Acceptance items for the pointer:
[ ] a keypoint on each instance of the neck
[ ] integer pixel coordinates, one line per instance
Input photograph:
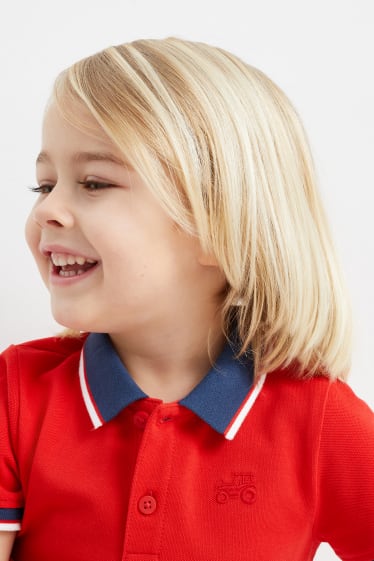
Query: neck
(168, 362)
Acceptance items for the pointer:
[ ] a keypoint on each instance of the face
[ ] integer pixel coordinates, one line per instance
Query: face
(110, 256)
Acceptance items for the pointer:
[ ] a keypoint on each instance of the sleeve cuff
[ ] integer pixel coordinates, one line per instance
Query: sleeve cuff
(10, 519)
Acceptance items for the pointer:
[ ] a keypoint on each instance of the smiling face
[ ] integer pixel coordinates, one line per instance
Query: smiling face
(110, 256)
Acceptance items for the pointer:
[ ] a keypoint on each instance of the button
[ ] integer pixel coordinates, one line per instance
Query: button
(165, 417)
(147, 504)
(140, 419)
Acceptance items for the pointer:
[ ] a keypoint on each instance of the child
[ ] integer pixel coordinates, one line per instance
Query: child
(181, 236)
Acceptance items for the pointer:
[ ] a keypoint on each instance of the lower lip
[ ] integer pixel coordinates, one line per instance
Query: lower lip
(56, 279)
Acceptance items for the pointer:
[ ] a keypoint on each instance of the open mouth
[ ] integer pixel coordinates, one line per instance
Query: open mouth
(70, 265)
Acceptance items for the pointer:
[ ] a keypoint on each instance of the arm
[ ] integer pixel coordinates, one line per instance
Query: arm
(11, 498)
(346, 483)
(6, 544)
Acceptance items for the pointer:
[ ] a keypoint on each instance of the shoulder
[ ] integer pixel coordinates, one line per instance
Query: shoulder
(40, 355)
(57, 344)
(327, 406)
(37, 374)
(329, 393)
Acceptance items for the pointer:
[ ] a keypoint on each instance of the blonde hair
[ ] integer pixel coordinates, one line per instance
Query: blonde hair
(226, 154)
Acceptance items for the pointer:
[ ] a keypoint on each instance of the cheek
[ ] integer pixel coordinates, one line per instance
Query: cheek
(32, 234)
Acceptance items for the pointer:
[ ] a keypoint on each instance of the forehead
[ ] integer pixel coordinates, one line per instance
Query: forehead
(72, 120)
(73, 132)
(85, 141)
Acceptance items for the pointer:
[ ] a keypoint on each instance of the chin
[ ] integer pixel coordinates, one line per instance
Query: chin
(71, 321)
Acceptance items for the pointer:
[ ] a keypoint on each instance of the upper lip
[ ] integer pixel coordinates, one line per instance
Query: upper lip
(47, 249)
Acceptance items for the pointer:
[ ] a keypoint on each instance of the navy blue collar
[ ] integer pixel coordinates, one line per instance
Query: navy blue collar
(108, 388)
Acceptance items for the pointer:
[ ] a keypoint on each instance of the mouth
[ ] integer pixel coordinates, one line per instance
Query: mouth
(67, 266)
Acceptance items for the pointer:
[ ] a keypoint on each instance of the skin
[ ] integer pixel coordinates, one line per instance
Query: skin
(6, 544)
(153, 290)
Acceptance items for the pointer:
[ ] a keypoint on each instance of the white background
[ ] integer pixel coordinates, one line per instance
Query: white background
(320, 53)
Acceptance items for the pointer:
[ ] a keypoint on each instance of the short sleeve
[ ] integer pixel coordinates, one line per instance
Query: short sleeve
(345, 517)
(11, 499)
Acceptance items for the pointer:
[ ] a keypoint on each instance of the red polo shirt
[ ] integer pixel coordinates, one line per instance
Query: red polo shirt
(91, 469)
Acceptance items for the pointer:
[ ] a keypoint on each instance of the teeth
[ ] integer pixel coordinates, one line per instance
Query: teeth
(70, 273)
(62, 259)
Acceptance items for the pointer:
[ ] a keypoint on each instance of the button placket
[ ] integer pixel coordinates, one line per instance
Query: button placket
(150, 483)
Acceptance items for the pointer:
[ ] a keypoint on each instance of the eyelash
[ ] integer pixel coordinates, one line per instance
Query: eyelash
(45, 189)
(99, 185)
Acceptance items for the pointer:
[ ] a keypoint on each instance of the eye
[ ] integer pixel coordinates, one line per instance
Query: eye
(43, 189)
(92, 185)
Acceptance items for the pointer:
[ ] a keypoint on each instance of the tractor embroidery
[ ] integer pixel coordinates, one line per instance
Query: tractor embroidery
(241, 487)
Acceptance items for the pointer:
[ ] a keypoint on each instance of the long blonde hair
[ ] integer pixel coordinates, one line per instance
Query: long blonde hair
(225, 152)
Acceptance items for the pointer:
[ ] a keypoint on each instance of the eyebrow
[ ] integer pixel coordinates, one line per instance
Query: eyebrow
(43, 157)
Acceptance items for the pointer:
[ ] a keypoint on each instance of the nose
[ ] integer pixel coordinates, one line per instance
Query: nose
(54, 210)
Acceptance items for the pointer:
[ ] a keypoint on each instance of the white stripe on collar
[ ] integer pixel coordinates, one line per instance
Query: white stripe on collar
(96, 421)
(245, 409)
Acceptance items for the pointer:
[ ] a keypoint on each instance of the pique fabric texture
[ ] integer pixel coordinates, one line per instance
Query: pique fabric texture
(91, 469)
